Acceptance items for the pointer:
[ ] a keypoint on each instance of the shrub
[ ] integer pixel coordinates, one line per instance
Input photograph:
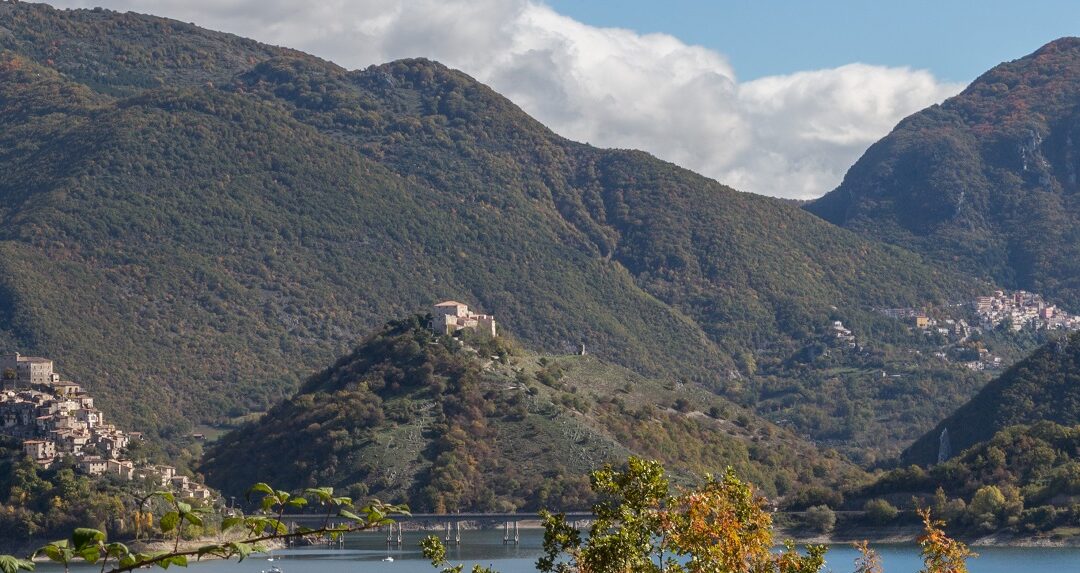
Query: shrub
(821, 518)
(880, 511)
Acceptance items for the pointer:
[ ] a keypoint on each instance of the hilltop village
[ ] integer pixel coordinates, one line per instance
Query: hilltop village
(1020, 310)
(55, 418)
(1015, 312)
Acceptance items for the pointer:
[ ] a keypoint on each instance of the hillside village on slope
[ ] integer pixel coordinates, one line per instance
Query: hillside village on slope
(55, 418)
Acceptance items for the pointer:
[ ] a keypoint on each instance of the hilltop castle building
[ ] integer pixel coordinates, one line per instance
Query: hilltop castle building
(451, 316)
(27, 370)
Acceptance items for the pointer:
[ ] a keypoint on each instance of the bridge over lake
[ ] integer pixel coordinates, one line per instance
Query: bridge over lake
(448, 525)
(437, 521)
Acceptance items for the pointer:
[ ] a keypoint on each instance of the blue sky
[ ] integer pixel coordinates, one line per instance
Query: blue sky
(956, 40)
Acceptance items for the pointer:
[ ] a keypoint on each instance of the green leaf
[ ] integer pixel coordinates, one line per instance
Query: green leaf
(231, 522)
(90, 554)
(242, 550)
(57, 551)
(193, 519)
(169, 521)
(83, 537)
(178, 560)
(297, 502)
(325, 494)
(260, 488)
(183, 507)
(135, 558)
(116, 549)
(11, 564)
(350, 515)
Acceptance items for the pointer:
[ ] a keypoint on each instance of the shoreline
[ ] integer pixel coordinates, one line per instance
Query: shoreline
(908, 535)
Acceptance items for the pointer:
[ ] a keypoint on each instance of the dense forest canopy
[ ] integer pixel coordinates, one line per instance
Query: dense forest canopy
(986, 181)
(1043, 387)
(483, 425)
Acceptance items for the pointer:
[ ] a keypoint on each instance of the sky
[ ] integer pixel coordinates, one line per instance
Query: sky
(768, 96)
(955, 39)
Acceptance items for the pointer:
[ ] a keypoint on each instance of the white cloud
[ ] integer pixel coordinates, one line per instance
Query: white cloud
(787, 136)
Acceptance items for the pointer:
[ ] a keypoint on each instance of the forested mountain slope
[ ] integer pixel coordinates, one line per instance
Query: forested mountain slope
(987, 180)
(1043, 387)
(1024, 479)
(445, 426)
(192, 223)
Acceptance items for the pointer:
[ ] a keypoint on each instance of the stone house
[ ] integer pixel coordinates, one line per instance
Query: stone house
(93, 465)
(28, 369)
(122, 468)
(450, 316)
(40, 449)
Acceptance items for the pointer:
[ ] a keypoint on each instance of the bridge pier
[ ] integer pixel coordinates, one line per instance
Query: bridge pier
(507, 539)
(391, 539)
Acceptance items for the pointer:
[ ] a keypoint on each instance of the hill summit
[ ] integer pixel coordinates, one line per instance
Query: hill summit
(989, 180)
(476, 423)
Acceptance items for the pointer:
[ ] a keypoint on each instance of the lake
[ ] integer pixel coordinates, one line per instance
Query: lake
(364, 553)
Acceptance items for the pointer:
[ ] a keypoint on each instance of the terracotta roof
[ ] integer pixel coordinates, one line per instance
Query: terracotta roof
(451, 303)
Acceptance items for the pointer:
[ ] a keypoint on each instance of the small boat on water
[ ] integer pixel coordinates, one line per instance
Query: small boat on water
(388, 558)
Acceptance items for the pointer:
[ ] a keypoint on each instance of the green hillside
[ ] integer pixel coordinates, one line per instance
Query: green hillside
(191, 223)
(1023, 479)
(986, 181)
(447, 426)
(1043, 387)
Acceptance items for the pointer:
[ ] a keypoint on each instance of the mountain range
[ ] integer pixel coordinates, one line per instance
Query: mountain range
(193, 223)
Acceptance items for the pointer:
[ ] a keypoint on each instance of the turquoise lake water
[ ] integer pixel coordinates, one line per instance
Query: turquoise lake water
(366, 554)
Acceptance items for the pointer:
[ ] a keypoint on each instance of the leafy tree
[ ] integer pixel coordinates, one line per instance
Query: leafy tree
(821, 518)
(940, 553)
(721, 526)
(92, 546)
(987, 503)
(880, 511)
(724, 526)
